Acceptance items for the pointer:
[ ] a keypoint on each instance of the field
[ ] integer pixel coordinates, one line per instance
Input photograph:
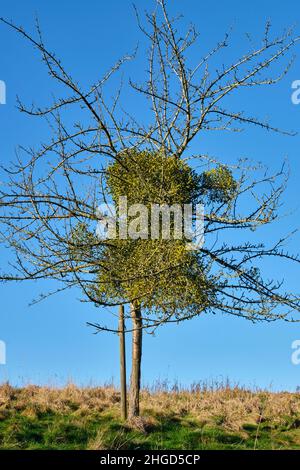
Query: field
(216, 417)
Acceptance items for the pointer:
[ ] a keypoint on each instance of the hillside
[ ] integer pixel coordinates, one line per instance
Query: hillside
(221, 417)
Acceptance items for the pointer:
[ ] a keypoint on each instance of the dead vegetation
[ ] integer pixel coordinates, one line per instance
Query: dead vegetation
(225, 406)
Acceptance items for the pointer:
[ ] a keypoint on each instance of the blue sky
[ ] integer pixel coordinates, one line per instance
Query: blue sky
(49, 342)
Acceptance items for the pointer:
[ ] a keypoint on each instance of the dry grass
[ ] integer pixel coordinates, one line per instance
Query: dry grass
(231, 409)
(35, 399)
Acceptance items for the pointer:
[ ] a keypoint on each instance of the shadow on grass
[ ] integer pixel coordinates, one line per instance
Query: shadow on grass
(105, 431)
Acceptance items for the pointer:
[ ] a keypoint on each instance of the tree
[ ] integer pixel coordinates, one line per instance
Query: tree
(158, 277)
(49, 199)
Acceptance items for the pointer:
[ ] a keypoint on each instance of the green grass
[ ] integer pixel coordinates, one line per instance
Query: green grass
(105, 431)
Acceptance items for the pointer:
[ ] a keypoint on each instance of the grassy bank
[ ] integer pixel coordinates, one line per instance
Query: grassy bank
(202, 418)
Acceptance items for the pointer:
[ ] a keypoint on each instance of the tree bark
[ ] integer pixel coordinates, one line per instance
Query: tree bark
(135, 381)
(122, 363)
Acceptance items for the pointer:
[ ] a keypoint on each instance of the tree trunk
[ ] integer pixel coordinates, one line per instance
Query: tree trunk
(122, 363)
(135, 381)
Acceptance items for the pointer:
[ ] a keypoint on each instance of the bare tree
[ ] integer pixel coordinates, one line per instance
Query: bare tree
(49, 197)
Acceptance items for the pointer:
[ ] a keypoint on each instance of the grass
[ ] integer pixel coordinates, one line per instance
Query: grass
(217, 417)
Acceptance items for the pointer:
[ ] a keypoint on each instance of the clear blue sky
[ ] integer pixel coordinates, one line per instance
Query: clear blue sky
(49, 342)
